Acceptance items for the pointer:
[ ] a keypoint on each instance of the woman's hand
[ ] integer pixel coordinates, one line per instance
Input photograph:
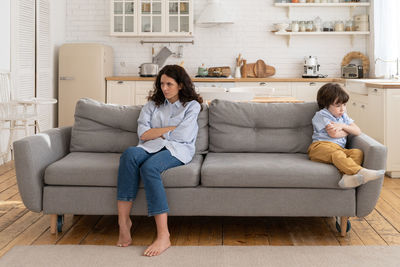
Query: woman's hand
(155, 133)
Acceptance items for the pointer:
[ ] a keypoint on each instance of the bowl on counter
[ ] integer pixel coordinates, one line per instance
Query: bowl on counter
(281, 27)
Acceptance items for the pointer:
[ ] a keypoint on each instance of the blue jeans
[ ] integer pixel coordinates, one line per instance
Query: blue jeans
(135, 162)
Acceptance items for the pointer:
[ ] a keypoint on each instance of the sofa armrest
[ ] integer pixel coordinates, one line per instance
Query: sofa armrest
(32, 156)
(374, 158)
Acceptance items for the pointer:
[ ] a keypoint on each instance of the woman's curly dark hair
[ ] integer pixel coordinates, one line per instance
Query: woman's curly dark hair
(186, 94)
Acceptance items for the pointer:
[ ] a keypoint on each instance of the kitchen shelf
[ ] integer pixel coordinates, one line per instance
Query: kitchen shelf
(350, 5)
(352, 33)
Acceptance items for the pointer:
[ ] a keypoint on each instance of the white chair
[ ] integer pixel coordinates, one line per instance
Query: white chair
(17, 114)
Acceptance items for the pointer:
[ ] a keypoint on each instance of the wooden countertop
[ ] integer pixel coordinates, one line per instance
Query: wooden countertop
(137, 78)
(383, 85)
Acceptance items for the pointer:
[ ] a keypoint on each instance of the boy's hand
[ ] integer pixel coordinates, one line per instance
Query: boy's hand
(333, 126)
(335, 130)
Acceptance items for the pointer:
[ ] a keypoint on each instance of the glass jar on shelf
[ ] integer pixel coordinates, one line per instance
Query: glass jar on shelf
(309, 26)
(302, 26)
(348, 27)
(339, 26)
(327, 26)
(295, 26)
(317, 24)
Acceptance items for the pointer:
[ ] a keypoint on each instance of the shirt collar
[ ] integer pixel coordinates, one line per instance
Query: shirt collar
(176, 103)
(326, 111)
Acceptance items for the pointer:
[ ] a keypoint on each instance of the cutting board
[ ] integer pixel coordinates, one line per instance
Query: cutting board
(263, 70)
(257, 70)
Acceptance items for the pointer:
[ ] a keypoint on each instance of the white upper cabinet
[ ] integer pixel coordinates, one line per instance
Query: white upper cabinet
(152, 18)
(179, 18)
(124, 16)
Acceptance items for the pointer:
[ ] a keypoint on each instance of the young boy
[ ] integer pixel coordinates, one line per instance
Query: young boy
(331, 128)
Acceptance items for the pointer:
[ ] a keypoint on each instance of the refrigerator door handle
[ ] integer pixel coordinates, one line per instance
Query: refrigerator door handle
(65, 78)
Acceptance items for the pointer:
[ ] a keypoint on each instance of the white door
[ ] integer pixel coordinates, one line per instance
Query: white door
(43, 64)
(23, 51)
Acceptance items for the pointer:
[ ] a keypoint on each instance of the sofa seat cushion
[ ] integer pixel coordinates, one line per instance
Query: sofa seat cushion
(101, 169)
(287, 170)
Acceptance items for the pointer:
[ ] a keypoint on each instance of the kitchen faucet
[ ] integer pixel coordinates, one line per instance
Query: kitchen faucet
(397, 76)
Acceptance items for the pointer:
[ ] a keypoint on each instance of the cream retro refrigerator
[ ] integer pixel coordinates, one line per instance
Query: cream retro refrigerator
(82, 72)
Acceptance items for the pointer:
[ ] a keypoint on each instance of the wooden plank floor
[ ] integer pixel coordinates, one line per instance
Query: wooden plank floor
(18, 226)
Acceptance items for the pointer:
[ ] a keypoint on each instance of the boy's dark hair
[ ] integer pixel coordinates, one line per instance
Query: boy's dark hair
(331, 93)
(186, 94)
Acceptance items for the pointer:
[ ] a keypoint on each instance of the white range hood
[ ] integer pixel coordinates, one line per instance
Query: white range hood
(214, 14)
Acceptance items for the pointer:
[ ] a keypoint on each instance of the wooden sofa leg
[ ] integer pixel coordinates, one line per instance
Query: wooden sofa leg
(343, 225)
(53, 223)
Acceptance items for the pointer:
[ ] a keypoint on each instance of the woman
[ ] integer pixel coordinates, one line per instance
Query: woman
(167, 130)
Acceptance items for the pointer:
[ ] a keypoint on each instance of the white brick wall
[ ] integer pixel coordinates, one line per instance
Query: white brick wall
(88, 21)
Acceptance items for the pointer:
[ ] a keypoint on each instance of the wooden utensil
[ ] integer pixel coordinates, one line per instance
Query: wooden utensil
(260, 69)
(270, 71)
(243, 69)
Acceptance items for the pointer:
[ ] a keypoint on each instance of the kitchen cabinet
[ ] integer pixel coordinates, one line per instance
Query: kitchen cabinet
(383, 116)
(142, 91)
(376, 111)
(121, 92)
(357, 109)
(268, 88)
(152, 18)
(128, 92)
(306, 91)
(135, 92)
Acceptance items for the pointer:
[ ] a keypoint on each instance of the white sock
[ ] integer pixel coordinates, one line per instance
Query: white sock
(370, 175)
(351, 181)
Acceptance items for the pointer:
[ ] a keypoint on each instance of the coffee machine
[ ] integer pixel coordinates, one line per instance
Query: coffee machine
(311, 67)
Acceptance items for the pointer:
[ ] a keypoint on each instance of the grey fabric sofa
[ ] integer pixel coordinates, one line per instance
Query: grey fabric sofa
(251, 160)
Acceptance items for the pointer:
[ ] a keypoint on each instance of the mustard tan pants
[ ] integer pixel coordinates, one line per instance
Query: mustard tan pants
(348, 161)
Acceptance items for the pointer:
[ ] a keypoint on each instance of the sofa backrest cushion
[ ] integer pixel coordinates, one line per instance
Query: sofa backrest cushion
(260, 127)
(112, 128)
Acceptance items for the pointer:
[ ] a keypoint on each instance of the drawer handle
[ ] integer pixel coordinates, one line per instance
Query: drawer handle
(64, 78)
(362, 106)
(375, 90)
(354, 103)
(312, 83)
(120, 82)
(263, 83)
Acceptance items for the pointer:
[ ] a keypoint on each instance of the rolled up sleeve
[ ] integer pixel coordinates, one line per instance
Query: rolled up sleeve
(144, 121)
(186, 131)
(319, 122)
(347, 120)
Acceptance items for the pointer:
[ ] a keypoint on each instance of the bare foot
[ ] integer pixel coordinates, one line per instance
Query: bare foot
(162, 243)
(125, 233)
